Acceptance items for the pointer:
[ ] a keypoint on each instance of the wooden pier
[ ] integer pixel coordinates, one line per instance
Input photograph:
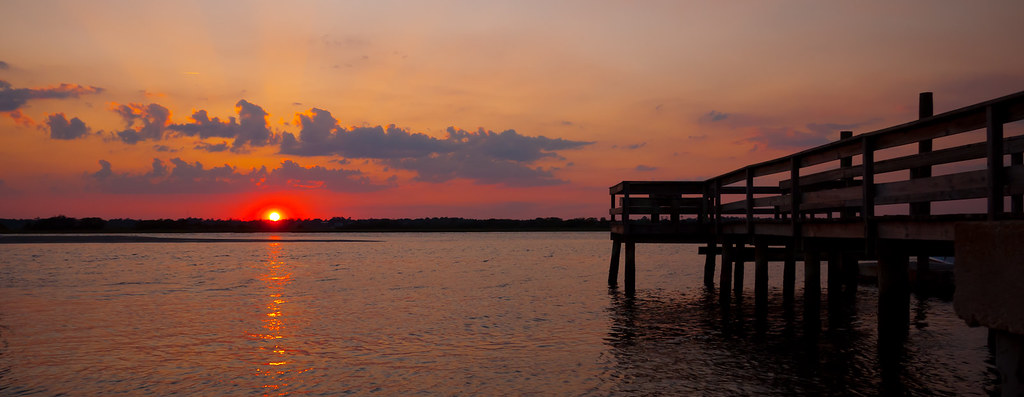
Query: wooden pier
(872, 196)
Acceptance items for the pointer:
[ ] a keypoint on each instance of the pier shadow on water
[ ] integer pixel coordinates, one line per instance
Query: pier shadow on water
(688, 343)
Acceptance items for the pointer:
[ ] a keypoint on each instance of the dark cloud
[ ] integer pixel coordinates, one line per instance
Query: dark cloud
(4, 65)
(250, 128)
(142, 122)
(14, 98)
(179, 176)
(713, 116)
(645, 168)
(164, 148)
(484, 156)
(220, 147)
(635, 146)
(320, 135)
(62, 128)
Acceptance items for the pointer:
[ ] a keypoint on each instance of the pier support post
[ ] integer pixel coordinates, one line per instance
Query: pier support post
(812, 290)
(709, 264)
(789, 277)
(737, 270)
(851, 274)
(761, 278)
(725, 277)
(613, 267)
(630, 268)
(835, 277)
(893, 297)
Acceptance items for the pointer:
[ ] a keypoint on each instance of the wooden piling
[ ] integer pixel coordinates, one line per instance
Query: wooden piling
(789, 278)
(760, 278)
(835, 278)
(709, 264)
(851, 274)
(613, 267)
(630, 268)
(893, 296)
(737, 270)
(725, 276)
(812, 279)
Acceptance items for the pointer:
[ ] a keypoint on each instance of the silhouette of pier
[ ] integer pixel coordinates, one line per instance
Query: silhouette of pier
(884, 196)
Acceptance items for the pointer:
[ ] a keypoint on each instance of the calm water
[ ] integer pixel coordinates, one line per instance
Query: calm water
(444, 313)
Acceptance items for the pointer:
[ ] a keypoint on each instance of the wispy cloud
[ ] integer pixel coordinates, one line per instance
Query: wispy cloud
(14, 98)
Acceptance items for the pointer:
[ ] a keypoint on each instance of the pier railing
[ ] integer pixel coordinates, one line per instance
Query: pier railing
(876, 185)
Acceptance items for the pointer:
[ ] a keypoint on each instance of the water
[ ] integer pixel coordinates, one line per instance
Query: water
(438, 313)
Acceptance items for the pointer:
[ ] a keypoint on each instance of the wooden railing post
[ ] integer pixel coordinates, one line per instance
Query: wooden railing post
(868, 192)
(750, 201)
(625, 208)
(994, 137)
(925, 110)
(794, 203)
(846, 162)
(718, 207)
(1017, 200)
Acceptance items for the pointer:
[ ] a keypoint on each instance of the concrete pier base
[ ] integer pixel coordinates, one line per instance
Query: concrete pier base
(989, 257)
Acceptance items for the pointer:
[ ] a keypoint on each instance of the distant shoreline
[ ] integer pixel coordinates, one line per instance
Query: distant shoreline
(126, 238)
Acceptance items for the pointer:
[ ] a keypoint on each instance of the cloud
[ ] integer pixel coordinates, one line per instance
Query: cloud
(4, 65)
(713, 116)
(645, 168)
(61, 128)
(484, 156)
(791, 138)
(250, 128)
(142, 122)
(14, 98)
(220, 147)
(21, 118)
(477, 167)
(179, 176)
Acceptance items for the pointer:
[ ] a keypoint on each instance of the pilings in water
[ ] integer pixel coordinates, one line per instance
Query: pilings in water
(630, 268)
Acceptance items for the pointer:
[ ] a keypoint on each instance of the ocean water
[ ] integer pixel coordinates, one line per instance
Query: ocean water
(440, 313)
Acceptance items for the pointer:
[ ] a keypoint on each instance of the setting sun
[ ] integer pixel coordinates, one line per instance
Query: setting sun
(274, 216)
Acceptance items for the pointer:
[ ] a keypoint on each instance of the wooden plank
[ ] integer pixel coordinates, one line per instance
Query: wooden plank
(658, 187)
(964, 185)
(917, 230)
(832, 198)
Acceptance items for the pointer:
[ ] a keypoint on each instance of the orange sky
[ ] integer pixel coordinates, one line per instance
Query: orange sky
(516, 109)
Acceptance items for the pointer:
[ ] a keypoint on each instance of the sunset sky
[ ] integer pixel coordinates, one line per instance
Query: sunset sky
(481, 109)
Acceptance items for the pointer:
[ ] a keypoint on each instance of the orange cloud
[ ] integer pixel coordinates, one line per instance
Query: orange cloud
(21, 118)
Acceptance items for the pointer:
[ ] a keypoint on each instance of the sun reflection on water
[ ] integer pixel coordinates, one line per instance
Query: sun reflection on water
(275, 366)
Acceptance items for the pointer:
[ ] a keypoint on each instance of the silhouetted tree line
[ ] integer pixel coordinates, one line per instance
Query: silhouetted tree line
(63, 224)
